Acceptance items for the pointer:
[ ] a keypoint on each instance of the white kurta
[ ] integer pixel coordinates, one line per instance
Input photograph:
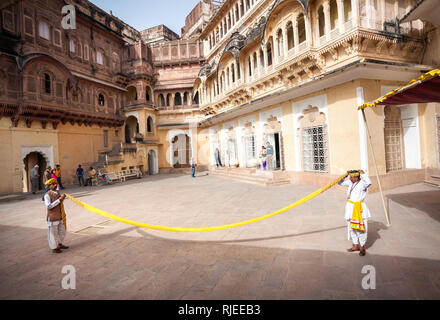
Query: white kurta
(358, 193)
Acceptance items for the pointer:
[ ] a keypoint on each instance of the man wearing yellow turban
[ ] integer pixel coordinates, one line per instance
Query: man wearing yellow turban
(356, 211)
(56, 216)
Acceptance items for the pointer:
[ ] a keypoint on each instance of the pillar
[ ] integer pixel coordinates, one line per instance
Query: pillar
(340, 4)
(284, 43)
(355, 12)
(265, 58)
(295, 35)
(327, 19)
(308, 25)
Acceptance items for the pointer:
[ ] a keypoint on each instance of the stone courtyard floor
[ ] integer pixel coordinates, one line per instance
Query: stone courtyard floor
(300, 254)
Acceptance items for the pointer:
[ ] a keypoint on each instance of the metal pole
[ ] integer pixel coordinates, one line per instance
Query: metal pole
(377, 171)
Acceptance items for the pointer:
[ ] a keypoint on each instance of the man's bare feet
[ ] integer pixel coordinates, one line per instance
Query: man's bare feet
(57, 250)
(362, 251)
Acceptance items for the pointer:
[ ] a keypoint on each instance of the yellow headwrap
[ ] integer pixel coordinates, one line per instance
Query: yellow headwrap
(50, 181)
(354, 173)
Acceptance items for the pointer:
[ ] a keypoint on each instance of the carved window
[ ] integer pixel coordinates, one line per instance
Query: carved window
(47, 84)
(86, 52)
(150, 124)
(314, 149)
(196, 98)
(43, 30)
(250, 67)
(269, 54)
(321, 21)
(233, 72)
(250, 148)
(101, 100)
(99, 57)
(161, 100)
(177, 99)
(72, 46)
(394, 153)
(8, 20)
(290, 39)
(168, 99)
(185, 99)
(333, 14)
(301, 28)
(28, 26)
(314, 140)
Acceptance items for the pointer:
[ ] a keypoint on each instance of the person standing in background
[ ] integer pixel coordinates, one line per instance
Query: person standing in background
(80, 175)
(58, 175)
(269, 158)
(35, 179)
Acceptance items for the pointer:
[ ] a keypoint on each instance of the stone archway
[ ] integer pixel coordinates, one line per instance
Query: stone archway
(181, 150)
(28, 162)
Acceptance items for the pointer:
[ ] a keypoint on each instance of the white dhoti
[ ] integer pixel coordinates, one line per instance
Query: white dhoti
(56, 233)
(357, 236)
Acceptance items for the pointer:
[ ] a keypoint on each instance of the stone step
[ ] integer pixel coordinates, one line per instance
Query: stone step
(262, 178)
(432, 183)
(435, 177)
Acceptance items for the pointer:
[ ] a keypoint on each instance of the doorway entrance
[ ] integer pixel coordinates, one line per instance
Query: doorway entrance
(30, 161)
(181, 151)
(275, 140)
(152, 163)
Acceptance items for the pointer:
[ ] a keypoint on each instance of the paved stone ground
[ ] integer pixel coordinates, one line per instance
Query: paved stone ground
(299, 254)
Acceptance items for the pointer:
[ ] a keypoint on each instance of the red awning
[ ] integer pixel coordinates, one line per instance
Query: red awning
(422, 90)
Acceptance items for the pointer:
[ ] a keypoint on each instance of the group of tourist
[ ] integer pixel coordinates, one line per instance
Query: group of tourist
(48, 174)
(266, 157)
(91, 175)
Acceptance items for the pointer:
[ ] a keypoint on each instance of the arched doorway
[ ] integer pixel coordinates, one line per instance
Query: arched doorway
(181, 151)
(152, 169)
(131, 129)
(29, 162)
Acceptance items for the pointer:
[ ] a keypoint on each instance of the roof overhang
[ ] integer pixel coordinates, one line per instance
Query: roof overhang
(424, 89)
(359, 69)
(425, 10)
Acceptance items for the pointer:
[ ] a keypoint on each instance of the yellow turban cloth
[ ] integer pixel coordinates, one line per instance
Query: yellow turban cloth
(356, 221)
(50, 181)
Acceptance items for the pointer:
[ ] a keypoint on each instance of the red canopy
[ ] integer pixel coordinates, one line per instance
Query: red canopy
(422, 90)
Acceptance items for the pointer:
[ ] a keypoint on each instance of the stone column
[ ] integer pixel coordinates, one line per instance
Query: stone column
(285, 47)
(295, 35)
(252, 65)
(327, 19)
(239, 9)
(340, 4)
(275, 51)
(236, 73)
(308, 25)
(355, 13)
(369, 13)
(259, 66)
(265, 58)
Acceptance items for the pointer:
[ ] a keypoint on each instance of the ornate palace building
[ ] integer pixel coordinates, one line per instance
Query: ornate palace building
(242, 73)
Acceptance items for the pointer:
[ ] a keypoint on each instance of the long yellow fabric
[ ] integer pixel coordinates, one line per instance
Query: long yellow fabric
(63, 215)
(238, 224)
(424, 77)
(356, 221)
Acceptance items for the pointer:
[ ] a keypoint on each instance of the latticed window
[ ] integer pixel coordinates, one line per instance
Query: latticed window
(314, 149)
(250, 147)
(393, 139)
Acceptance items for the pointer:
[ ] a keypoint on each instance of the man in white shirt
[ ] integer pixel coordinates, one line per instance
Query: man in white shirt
(35, 179)
(356, 211)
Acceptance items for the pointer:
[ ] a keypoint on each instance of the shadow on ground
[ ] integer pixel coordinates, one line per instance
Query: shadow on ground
(426, 201)
(114, 266)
